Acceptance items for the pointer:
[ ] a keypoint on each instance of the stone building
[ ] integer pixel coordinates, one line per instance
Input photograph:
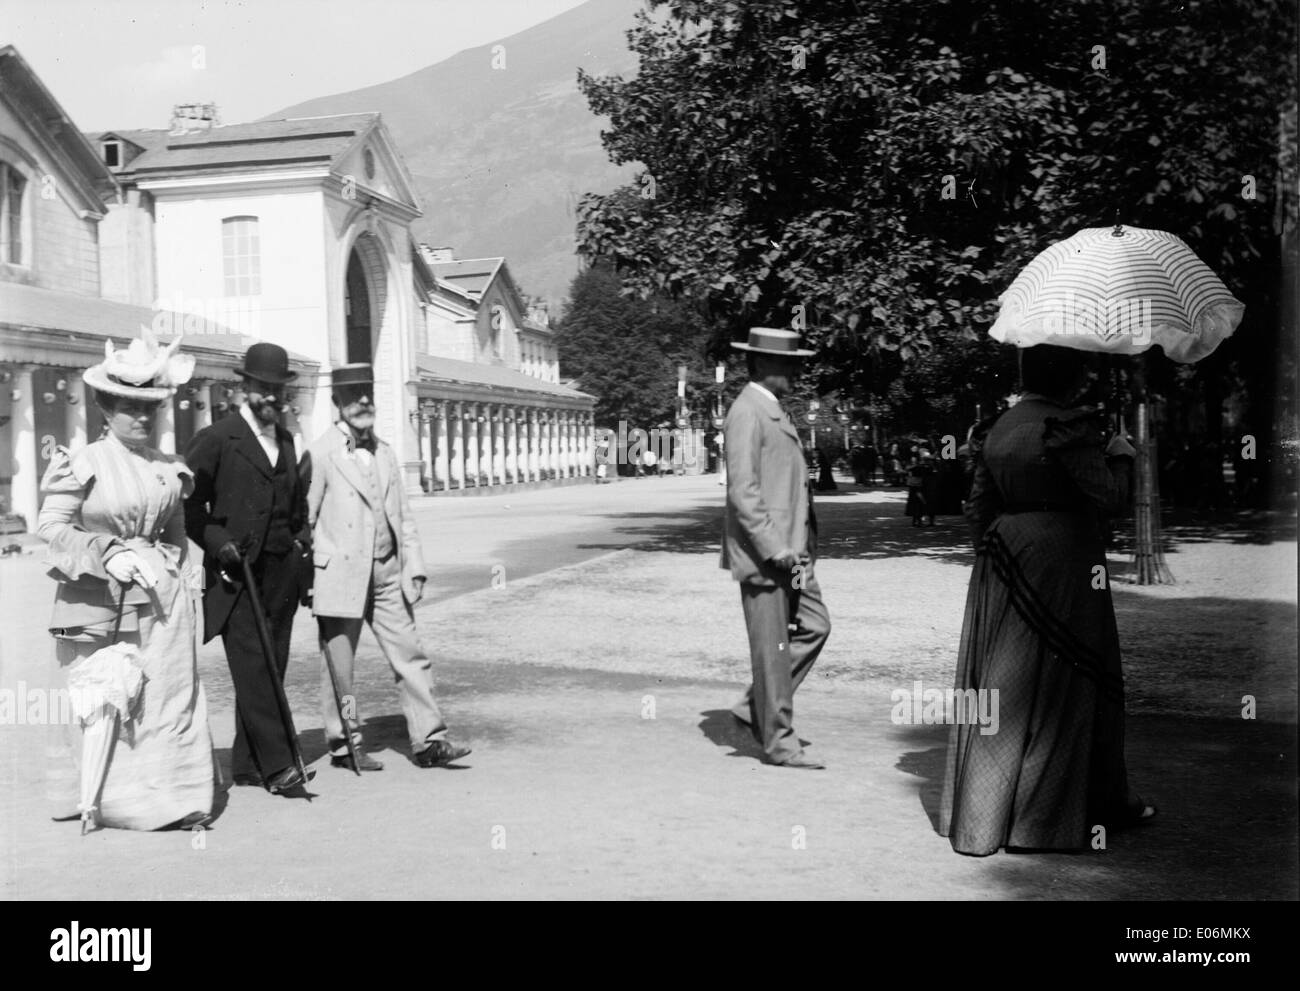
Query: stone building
(492, 409)
(59, 298)
(291, 231)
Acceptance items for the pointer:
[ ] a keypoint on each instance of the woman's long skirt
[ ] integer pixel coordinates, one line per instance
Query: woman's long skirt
(1039, 630)
(160, 766)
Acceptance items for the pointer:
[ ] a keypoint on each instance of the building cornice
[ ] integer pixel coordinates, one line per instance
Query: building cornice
(30, 344)
(333, 187)
(311, 178)
(446, 390)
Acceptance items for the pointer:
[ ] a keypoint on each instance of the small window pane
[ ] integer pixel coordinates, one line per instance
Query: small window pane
(240, 256)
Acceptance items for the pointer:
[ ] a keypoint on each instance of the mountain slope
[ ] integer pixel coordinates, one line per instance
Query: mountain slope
(500, 155)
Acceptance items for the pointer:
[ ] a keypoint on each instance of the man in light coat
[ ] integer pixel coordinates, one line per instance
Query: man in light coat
(369, 568)
(769, 543)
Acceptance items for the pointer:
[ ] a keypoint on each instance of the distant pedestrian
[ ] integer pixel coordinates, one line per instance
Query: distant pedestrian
(871, 460)
(602, 460)
(920, 489)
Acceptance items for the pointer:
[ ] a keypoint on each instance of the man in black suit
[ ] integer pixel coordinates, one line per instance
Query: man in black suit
(249, 503)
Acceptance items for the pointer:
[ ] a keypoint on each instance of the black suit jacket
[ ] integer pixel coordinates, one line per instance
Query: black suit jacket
(232, 501)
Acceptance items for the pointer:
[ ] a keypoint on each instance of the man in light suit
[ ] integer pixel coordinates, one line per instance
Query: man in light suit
(769, 543)
(369, 568)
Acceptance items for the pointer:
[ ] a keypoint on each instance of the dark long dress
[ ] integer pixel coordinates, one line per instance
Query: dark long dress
(1040, 629)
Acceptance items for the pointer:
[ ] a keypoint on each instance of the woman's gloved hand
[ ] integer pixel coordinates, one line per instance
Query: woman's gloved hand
(127, 566)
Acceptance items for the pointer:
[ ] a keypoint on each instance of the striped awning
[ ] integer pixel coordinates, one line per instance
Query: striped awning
(1119, 290)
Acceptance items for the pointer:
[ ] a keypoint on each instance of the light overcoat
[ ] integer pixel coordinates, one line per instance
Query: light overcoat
(769, 503)
(342, 521)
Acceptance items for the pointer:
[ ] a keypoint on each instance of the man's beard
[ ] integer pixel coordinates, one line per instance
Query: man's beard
(359, 425)
(267, 412)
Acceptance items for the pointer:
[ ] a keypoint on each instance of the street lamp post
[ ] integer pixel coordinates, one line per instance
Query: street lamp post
(813, 407)
(719, 374)
(683, 419)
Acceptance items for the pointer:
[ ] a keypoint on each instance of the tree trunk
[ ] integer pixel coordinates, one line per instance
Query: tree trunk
(1149, 565)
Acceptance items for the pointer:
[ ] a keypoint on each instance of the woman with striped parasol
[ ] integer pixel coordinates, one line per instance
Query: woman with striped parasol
(1039, 626)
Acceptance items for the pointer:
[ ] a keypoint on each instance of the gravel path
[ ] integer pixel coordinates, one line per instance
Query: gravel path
(604, 766)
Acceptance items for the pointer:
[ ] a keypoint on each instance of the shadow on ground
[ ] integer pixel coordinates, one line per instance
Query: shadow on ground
(1187, 526)
(1226, 790)
(845, 530)
(722, 729)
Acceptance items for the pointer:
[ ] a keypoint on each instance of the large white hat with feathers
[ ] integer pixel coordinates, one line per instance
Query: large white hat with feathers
(145, 370)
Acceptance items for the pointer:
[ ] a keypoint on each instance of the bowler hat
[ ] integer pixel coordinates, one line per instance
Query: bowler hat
(358, 373)
(268, 363)
(770, 340)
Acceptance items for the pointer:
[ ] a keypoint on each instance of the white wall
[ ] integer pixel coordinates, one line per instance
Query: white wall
(291, 309)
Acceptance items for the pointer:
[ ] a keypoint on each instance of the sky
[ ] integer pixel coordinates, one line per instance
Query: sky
(117, 64)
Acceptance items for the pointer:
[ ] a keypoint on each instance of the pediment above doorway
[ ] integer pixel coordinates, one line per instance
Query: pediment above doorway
(373, 167)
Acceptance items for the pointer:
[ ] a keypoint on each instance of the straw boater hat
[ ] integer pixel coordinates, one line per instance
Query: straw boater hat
(145, 370)
(357, 373)
(769, 340)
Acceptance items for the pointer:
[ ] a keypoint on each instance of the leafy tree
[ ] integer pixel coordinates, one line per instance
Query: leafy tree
(625, 350)
(877, 172)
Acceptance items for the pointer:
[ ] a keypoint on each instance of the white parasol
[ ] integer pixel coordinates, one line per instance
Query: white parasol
(1123, 290)
(1120, 290)
(104, 689)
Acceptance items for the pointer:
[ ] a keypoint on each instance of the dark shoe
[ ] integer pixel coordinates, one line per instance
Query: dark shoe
(195, 820)
(250, 779)
(803, 762)
(440, 753)
(364, 761)
(284, 780)
(1137, 814)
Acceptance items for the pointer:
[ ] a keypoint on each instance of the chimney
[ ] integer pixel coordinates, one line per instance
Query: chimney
(188, 118)
(435, 255)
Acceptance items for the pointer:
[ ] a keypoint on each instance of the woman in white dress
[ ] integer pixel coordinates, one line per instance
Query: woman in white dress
(113, 517)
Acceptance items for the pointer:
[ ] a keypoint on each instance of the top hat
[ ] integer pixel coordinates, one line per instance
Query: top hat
(769, 340)
(268, 363)
(357, 373)
(144, 370)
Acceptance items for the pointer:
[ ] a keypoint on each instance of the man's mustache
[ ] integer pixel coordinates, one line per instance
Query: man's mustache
(274, 405)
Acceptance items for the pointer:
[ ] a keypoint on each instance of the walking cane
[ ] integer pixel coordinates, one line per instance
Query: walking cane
(338, 703)
(268, 653)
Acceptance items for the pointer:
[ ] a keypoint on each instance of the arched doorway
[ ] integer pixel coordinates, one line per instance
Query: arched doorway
(356, 307)
(371, 330)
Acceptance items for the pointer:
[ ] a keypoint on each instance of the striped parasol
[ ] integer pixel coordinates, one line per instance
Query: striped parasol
(1119, 290)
